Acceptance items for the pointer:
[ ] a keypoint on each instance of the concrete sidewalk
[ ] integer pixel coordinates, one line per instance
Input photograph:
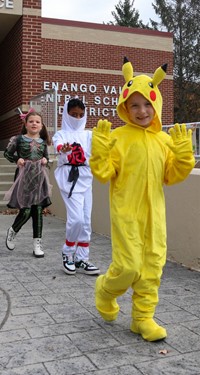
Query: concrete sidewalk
(49, 324)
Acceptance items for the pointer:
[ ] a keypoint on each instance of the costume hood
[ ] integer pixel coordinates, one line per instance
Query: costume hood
(146, 86)
(70, 123)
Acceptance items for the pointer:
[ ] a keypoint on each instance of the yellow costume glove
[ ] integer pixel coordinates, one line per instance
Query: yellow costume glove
(181, 142)
(100, 161)
(101, 136)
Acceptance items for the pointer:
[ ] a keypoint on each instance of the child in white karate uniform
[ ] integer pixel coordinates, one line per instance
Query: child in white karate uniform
(74, 178)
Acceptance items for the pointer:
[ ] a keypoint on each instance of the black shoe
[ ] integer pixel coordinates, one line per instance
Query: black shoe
(85, 267)
(68, 264)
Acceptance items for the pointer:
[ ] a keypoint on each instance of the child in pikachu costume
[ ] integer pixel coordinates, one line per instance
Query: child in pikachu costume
(138, 158)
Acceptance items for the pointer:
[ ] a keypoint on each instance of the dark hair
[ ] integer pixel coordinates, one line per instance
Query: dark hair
(75, 102)
(43, 132)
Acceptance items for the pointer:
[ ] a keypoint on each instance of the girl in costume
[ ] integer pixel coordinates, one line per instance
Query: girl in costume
(138, 158)
(31, 189)
(74, 178)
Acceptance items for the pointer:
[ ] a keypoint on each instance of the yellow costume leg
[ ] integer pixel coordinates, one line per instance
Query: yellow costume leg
(148, 329)
(113, 284)
(145, 296)
(107, 307)
(122, 272)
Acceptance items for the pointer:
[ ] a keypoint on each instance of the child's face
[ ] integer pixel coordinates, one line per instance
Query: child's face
(34, 126)
(76, 112)
(140, 110)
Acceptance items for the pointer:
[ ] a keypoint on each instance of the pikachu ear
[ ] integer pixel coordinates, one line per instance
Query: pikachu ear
(127, 70)
(159, 75)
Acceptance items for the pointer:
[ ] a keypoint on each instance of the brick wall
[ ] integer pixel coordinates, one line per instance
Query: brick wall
(20, 68)
(30, 57)
(31, 51)
(34, 4)
(61, 53)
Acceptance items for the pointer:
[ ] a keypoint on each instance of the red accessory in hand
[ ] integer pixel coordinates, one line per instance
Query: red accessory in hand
(77, 155)
(76, 159)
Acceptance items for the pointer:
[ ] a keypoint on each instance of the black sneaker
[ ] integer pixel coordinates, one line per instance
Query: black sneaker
(69, 264)
(85, 267)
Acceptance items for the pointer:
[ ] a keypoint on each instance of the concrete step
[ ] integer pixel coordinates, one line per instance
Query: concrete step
(2, 193)
(7, 172)
(4, 161)
(5, 185)
(8, 168)
(6, 176)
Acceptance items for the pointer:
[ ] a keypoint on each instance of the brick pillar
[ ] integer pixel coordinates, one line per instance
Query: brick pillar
(31, 50)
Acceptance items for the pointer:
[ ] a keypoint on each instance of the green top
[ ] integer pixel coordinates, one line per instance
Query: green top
(21, 146)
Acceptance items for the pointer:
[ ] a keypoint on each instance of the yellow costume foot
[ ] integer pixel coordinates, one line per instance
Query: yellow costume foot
(108, 309)
(148, 329)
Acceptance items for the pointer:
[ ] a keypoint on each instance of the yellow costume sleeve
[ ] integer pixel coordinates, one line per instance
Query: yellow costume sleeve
(181, 159)
(100, 161)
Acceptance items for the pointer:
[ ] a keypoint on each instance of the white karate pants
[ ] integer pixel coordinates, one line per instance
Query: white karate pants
(78, 223)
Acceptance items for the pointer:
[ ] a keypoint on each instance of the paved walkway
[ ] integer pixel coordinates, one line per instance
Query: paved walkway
(49, 324)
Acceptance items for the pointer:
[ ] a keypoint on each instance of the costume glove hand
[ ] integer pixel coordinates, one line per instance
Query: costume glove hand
(100, 161)
(181, 141)
(101, 136)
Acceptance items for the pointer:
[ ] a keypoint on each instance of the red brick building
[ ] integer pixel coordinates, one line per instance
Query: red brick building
(38, 54)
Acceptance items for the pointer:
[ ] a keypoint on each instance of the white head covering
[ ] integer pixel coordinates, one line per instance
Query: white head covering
(70, 123)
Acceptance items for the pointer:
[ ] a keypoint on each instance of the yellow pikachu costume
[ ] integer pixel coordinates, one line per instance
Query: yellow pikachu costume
(138, 161)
